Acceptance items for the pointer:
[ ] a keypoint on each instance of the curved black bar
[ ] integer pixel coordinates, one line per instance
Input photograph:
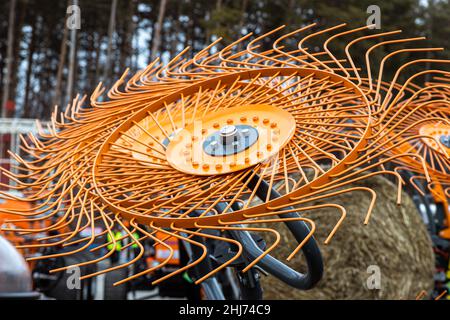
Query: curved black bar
(300, 231)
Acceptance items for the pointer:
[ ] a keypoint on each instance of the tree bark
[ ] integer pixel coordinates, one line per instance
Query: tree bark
(97, 43)
(127, 38)
(31, 50)
(431, 6)
(17, 59)
(9, 57)
(72, 56)
(157, 30)
(241, 22)
(111, 28)
(176, 32)
(62, 62)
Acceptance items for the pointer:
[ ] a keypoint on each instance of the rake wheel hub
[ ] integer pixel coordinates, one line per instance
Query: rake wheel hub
(445, 140)
(230, 140)
(440, 132)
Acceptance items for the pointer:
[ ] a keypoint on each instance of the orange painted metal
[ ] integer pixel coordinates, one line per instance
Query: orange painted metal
(274, 125)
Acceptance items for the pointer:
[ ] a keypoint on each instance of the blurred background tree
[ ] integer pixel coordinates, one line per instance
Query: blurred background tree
(116, 34)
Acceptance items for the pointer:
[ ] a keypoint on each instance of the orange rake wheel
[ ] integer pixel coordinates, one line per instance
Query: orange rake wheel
(421, 127)
(185, 173)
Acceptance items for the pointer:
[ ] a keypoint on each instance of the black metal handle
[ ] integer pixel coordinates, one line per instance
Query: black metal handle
(300, 231)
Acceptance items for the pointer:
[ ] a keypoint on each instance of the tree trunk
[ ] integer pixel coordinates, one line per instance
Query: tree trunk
(431, 6)
(45, 107)
(241, 22)
(111, 28)
(98, 52)
(291, 12)
(62, 62)
(127, 38)
(176, 33)
(9, 57)
(31, 50)
(157, 30)
(17, 59)
(72, 56)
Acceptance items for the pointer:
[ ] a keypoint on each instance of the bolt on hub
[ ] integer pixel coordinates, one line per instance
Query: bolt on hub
(230, 140)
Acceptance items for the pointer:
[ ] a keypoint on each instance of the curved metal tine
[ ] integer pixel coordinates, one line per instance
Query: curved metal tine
(211, 285)
(273, 266)
(298, 228)
(262, 190)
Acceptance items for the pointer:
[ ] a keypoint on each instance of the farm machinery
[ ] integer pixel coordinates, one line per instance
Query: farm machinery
(194, 160)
